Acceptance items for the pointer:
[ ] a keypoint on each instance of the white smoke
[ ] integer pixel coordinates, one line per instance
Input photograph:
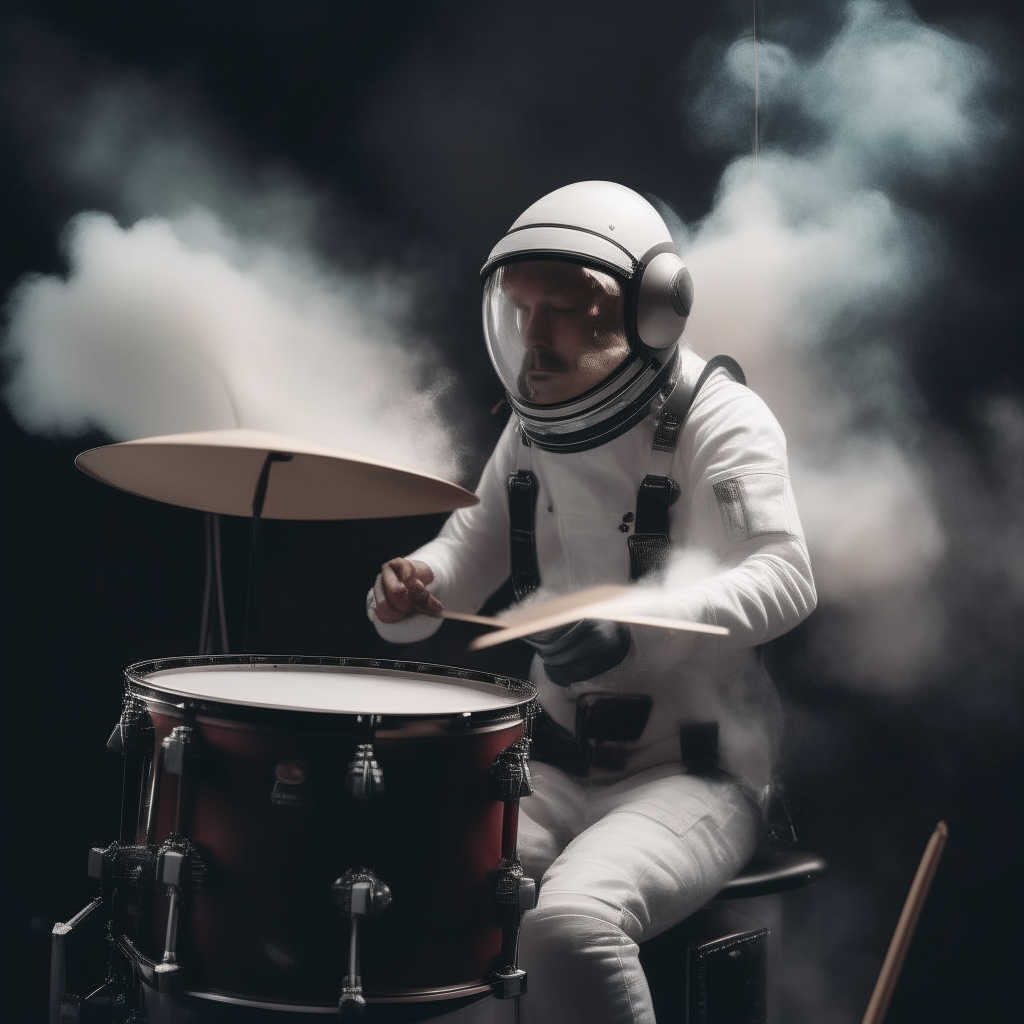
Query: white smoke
(804, 267)
(201, 320)
(810, 269)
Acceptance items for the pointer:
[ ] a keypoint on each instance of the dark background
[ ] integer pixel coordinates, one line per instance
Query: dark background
(94, 579)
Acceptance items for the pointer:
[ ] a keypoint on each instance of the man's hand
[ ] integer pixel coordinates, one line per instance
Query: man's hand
(401, 591)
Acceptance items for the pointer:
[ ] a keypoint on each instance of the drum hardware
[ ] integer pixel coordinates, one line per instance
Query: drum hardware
(510, 773)
(121, 865)
(364, 779)
(289, 789)
(132, 739)
(178, 748)
(147, 805)
(133, 733)
(512, 894)
(359, 893)
(179, 869)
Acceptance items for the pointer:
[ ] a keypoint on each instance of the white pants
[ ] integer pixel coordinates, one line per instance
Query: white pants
(618, 863)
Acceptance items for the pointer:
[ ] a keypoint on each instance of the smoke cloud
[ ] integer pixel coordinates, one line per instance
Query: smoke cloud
(812, 269)
(808, 266)
(219, 313)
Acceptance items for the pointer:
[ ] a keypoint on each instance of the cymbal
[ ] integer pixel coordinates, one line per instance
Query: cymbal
(603, 602)
(217, 471)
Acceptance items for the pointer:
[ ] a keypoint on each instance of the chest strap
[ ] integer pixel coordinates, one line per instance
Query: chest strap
(522, 518)
(649, 541)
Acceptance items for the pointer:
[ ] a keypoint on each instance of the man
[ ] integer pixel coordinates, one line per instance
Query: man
(628, 458)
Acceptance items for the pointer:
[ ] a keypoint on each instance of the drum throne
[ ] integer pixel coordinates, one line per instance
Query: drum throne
(714, 967)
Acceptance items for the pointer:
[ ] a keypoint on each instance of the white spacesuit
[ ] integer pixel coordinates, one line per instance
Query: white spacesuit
(654, 756)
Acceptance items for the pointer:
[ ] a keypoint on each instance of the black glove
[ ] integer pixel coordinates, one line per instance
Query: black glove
(581, 650)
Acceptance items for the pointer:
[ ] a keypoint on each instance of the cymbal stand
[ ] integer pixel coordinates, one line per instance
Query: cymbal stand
(213, 625)
(251, 633)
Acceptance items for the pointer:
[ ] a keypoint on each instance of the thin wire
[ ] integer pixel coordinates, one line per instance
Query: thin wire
(757, 104)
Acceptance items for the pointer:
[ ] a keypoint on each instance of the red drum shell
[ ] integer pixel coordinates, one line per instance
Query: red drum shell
(266, 927)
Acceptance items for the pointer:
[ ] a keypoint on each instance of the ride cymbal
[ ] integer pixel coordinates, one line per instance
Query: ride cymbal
(218, 470)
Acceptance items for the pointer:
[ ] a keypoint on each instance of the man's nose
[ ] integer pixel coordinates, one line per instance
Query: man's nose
(536, 330)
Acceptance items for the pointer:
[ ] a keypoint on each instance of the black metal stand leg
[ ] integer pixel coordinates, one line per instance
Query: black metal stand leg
(213, 626)
(512, 893)
(251, 634)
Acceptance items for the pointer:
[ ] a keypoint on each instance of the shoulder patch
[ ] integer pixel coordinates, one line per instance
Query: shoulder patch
(756, 504)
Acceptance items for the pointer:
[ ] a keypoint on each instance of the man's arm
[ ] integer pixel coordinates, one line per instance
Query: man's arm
(737, 505)
(459, 569)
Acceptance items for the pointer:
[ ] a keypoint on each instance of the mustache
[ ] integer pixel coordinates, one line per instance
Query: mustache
(544, 359)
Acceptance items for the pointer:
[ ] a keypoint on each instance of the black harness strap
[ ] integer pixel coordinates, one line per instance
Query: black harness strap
(522, 514)
(649, 542)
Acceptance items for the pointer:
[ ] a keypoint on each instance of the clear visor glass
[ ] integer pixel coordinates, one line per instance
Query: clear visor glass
(554, 329)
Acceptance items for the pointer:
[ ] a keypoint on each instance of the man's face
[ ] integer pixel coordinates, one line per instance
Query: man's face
(571, 323)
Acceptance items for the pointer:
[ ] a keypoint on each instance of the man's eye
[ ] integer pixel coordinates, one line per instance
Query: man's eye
(564, 309)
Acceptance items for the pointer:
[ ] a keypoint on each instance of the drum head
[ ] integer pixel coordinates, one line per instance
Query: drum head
(325, 686)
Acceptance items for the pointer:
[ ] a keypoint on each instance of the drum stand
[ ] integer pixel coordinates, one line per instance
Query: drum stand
(213, 628)
(251, 634)
(214, 615)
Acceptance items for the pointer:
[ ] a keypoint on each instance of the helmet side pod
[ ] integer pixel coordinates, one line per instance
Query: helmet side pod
(662, 297)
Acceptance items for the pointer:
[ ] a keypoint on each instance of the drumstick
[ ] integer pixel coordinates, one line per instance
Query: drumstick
(603, 602)
(567, 602)
(480, 620)
(502, 636)
(893, 963)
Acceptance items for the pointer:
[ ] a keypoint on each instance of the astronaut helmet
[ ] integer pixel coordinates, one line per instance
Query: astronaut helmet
(584, 302)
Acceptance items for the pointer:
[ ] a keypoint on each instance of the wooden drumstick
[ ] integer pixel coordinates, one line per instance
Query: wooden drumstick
(878, 1005)
(603, 602)
(479, 620)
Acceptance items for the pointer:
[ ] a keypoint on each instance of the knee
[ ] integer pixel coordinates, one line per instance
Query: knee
(566, 926)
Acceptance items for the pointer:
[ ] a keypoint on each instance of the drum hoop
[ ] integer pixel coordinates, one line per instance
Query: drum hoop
(397, 997)
(147, 972)
(137, 684)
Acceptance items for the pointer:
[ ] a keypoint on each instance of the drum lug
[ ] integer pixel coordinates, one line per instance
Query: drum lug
(364, 779)
(358, 893)
(120, 864)
(289, 789)
(512, 894)
(180, 869)
(510, 772)
(179, 749)
(133, 733)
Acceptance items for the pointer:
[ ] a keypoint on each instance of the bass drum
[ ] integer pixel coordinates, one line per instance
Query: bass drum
(242, 774)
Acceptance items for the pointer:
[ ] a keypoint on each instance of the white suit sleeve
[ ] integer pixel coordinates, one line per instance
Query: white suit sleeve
(470, 556)
(737, 504)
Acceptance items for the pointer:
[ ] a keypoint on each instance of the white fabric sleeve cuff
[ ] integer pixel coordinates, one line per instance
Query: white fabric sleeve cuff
(408, 631)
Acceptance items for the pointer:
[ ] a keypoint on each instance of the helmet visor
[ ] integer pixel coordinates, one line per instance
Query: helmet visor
(554, 329)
